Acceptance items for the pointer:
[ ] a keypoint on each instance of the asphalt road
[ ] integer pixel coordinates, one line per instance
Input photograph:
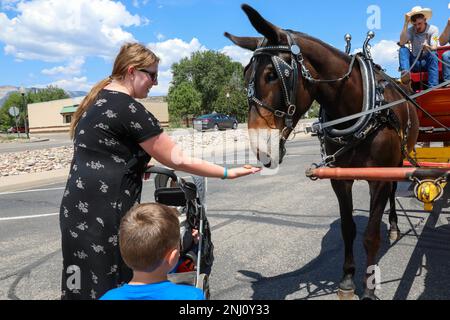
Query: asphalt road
(38, 141)
(276, 237)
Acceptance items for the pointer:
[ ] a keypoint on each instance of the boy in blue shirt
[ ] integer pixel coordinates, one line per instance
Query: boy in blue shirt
(149, 240)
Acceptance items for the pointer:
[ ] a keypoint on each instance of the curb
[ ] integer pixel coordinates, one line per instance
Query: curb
(38, 140)
(33, 180)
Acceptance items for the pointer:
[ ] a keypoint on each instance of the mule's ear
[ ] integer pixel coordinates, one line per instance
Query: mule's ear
(250, 43)
(264, 27)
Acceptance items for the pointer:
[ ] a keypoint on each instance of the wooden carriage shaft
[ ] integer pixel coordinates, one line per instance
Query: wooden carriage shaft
(428, 164)
(377, 173)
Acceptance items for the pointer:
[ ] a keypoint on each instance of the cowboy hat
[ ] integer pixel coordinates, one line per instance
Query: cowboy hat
(419, 10)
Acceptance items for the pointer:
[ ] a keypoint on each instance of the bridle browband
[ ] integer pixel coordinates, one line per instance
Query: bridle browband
(288, 74)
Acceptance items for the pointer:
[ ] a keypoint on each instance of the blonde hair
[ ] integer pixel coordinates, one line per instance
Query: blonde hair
(147, 233)
(130, 55)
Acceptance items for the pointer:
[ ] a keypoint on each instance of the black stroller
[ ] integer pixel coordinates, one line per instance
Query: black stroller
(189, 198)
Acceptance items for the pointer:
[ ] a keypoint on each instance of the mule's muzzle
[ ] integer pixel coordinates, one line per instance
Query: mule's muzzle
(268, 159)
(264, 158)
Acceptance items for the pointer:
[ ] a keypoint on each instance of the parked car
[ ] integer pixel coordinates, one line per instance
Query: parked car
(215, 121)
(14, 130)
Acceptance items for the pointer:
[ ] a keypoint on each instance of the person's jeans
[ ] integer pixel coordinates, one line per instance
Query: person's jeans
(429, 62)
(446, 69)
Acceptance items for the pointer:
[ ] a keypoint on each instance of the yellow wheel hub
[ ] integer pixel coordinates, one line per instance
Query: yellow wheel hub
(428, 191)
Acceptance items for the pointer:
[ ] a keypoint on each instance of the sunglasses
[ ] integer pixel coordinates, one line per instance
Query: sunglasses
(153, 75)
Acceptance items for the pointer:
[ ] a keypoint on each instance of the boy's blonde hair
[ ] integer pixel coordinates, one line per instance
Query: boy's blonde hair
(131, 55)
(147, 232)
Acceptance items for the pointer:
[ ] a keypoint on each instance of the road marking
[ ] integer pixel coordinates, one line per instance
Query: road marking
(39, 190)
(32, 190)
(60, 188)
(29, 217)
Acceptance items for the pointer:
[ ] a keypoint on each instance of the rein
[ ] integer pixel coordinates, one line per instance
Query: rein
(317, 127)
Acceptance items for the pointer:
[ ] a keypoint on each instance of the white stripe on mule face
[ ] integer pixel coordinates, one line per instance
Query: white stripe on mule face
(266, 143)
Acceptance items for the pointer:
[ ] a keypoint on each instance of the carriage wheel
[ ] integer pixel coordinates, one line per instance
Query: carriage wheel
(203, 284)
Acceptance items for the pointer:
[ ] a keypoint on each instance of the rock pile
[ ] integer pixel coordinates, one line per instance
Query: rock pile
(58, 158)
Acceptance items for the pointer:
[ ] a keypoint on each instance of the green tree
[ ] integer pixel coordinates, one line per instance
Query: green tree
(212, 75)
(6, 120)
(15, 99)
(313, 111)
(50, 93)
(183, 100)
(232, 98)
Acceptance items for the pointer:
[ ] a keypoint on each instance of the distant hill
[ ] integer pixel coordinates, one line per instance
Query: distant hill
(74, 94)
(5, 91)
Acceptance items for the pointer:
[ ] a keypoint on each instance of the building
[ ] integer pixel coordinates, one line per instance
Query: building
(55, 116)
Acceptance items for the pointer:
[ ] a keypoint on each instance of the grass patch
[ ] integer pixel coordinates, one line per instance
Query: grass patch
(12, 138)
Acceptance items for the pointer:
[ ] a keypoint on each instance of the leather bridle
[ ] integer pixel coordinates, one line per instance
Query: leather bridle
(288, 75)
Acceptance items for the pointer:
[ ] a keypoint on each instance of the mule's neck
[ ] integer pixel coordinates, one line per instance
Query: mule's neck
(325, 62)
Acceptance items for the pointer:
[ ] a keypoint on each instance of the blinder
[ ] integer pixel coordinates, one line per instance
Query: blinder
(288, 75)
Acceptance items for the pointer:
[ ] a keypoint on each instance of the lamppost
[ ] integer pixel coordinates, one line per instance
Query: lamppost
(22, 92)
(228, 102)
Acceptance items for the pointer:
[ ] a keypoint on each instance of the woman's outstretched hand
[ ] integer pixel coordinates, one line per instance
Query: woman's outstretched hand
(242, 171)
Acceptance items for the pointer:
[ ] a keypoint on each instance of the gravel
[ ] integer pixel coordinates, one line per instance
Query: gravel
(25, 162)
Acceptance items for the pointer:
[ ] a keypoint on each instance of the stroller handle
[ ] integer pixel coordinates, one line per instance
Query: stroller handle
(161, 170)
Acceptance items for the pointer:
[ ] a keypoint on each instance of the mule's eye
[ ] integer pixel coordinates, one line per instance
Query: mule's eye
(272, 77)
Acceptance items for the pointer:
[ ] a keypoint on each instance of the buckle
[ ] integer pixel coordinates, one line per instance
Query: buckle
(251, 90)
(279, 113)
(316, 127)
(291, 110)
(288, 122)
(329, 159)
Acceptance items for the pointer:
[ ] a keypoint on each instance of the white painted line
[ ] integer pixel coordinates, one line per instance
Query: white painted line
(29, 217)
(32, 190)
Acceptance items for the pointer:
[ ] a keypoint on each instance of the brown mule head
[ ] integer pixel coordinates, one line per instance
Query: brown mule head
(267, 131)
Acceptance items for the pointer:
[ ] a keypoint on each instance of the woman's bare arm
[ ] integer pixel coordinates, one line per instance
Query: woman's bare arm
(163, 149)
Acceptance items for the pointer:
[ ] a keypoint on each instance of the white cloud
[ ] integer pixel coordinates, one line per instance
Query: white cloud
(173, 50)
(52, 30)
(72, 68)
(238, 54)
(164, 79)
(384, 52)
(71, 84)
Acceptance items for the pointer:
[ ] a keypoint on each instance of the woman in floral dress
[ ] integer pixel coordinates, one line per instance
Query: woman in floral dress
(114, 139)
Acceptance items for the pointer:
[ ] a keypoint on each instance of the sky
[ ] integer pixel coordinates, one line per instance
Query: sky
(72, 44)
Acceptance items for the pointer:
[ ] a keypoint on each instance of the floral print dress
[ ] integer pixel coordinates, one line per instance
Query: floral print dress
(104, 182)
